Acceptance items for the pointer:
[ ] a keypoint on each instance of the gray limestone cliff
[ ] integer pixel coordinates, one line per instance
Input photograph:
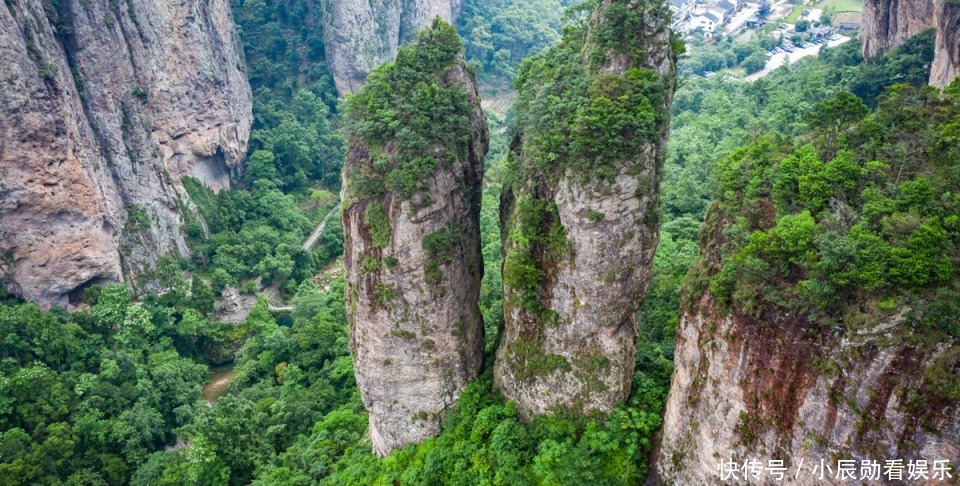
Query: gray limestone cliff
(411, 196)
(104, 106)
(776, 385)
(360, 35)
(889, 23)
(946, 60)
(580, 209)
(770, 388)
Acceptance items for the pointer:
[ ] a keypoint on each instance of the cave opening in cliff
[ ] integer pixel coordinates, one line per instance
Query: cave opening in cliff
(76, 296)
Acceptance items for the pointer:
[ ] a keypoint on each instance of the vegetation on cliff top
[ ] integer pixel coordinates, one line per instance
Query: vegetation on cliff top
(716, 117)
(845, 221)
(411, 116)
(574, 119)
(570, 117)
(861, 211)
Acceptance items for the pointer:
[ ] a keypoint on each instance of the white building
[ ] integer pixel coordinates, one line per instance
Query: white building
(705, 20)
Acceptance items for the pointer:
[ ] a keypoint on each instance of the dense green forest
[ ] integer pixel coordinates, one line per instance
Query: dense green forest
(499, 34)
(111, 394)
(847, 214)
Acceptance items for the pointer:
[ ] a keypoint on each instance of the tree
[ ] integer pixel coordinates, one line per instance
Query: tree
(498, 34)
(201, 296)
(755, 62)
(833, 115)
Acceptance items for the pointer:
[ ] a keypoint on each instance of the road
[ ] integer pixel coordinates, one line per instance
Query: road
(273, 290)
(785, 58)
(312, 239)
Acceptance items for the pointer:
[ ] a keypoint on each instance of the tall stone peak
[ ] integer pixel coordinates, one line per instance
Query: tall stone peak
(106, 106)
(801, 337)
(412, 186)
(580, 210)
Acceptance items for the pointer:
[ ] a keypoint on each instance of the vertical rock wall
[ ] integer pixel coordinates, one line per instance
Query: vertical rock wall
(104, 107)
(412, 237)
(748, 388)
(889, 23)
(580, 215)
(360, 35)
(946, 60)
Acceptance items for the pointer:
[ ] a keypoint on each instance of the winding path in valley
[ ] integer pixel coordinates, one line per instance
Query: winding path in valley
(312, 239)
(273, 290)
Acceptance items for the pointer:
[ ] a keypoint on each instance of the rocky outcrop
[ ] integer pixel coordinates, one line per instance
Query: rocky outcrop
(946, 60)
(778, 387)
(889, 23)
(412, 238)
(105, 106)
(580, 217)
(360, 35)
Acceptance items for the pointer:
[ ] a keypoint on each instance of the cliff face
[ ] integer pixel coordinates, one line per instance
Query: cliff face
(889, 23)
(776, 388)
(105, 107)
(412, 237)
(946, 60)
(815, 326)
(360, 35)
(580, 217)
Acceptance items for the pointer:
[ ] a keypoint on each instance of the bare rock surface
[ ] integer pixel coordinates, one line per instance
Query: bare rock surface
(889, 23)
(946, 60)
(360, 35)
(569, 341)
(774, 388)
(104, 107)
